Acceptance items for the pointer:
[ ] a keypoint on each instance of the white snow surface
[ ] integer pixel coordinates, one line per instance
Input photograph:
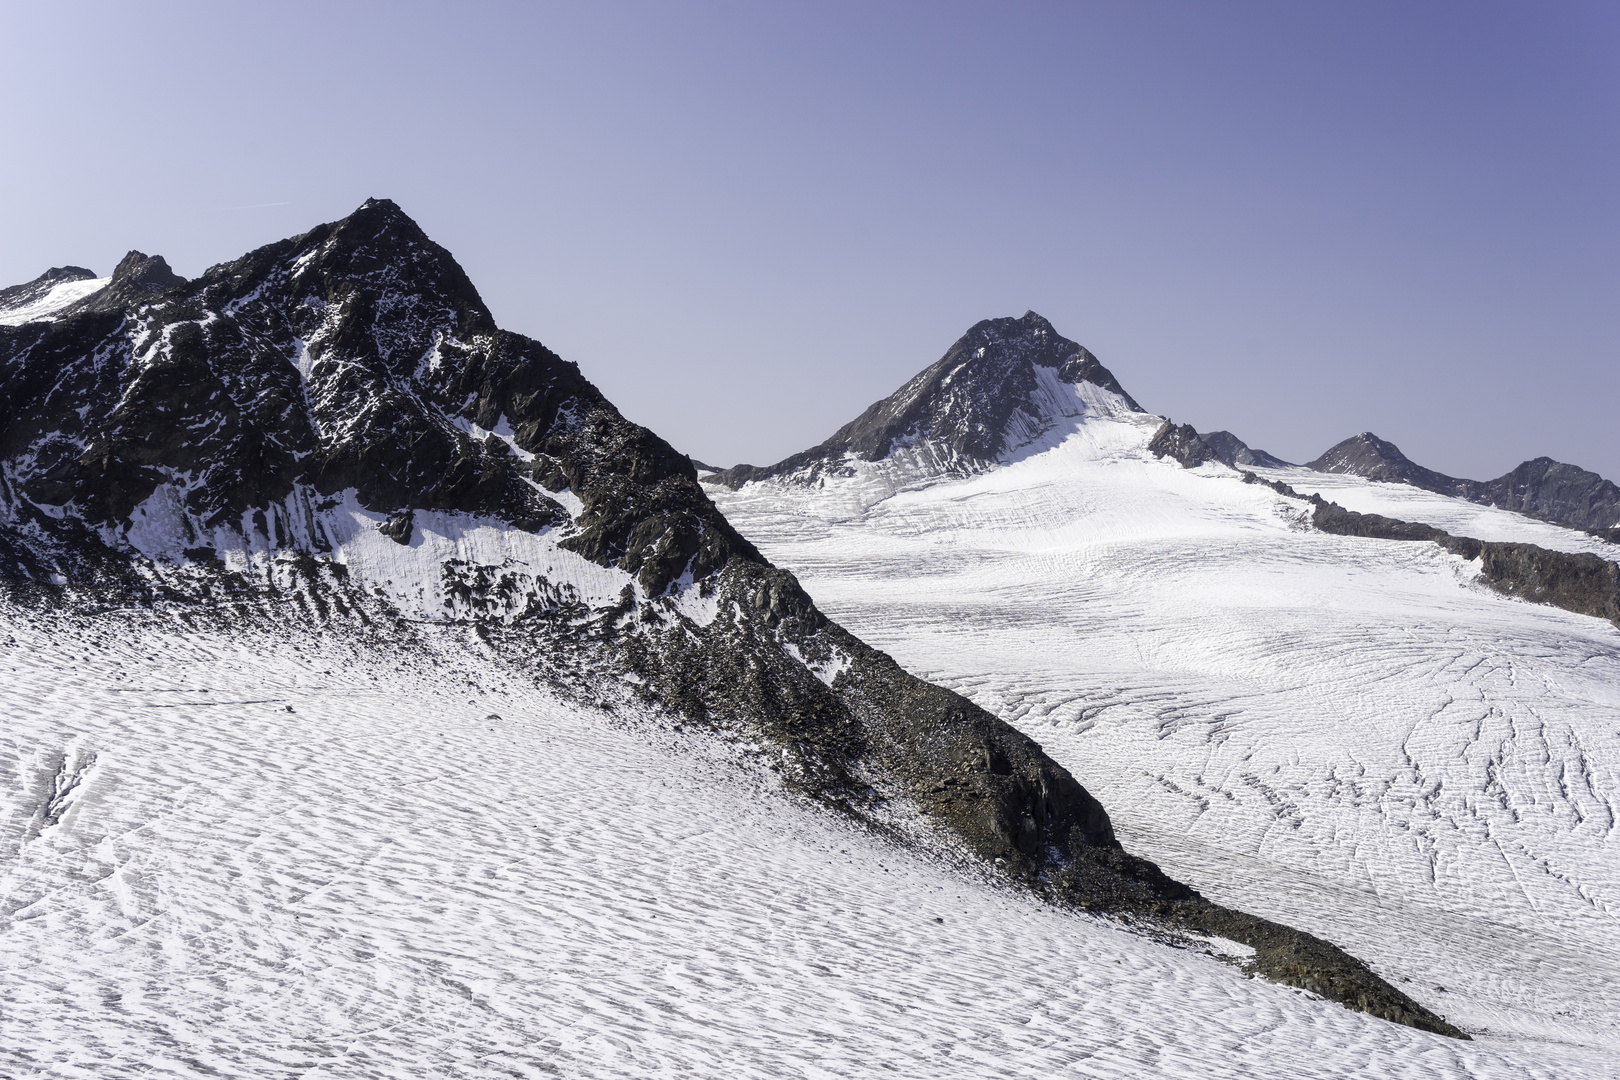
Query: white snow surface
(1456, 516)
(413, 576)
(272, 854)
(59, 297)
(1352, 736)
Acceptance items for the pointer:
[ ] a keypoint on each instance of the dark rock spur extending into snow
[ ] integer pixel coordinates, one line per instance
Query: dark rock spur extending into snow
(355, 366)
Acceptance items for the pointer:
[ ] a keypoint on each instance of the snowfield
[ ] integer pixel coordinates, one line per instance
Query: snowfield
(54, 300)
(1351, 736)
(1456, 516)
(273, 853)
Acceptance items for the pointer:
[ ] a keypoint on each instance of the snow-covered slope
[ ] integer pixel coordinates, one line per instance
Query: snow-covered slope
(329, 438)
(1352, 734)
(1004, 387)
(258, 851)
(1460, 517)
(46, 296)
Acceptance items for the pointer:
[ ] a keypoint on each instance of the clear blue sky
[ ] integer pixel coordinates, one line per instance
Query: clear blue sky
(746, 222)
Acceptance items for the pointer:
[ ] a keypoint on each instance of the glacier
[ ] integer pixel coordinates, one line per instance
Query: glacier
(262, 850)
(1352, 735)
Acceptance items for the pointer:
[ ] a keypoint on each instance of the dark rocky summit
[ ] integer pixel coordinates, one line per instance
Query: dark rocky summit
(1376, 459)
(136, 278)
(964, 407)
(1179, 442)
(1542, 488)
(356, 365)
(1239, 454)
(1559, 492)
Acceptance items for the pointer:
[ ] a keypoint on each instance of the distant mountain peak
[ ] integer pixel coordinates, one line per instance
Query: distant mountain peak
(19, 300)
(1541, 487)
(1239, 454)
(1001, 385)
(1379, 459)
(150, 272)
(54, 276)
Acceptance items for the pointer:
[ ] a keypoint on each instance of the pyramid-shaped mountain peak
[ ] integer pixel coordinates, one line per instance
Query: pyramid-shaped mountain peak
(1003, 384)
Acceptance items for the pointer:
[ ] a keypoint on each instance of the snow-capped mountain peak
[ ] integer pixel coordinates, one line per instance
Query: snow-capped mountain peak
(56, 289)
(353, 370)
(1001, 387)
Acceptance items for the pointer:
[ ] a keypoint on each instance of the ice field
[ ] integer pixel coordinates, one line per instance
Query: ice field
(1348, 735)
(52, 301)
(273, 854)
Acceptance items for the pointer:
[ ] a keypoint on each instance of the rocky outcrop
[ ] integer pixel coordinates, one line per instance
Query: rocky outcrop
(1580, 582)
(1542, 488)
(1558, 492)
(136, 279)
(1238, 454)
(1179, 442)
(965, 406)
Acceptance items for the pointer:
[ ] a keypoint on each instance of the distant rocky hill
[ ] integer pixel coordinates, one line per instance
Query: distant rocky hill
(1238, 454)
(1542, 487)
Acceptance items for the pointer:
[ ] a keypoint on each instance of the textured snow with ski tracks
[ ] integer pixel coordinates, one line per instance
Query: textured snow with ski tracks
(1353, 736)
(270, 853)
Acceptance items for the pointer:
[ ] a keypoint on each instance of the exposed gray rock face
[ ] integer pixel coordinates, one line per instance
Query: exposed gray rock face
(358, 360)
(1180, 442)
(136, 278)
(1558, 492)
(965, 404)
(1239, 454)
(1377, 459)
(1542, 488)
(1580, 582)
(158, 381)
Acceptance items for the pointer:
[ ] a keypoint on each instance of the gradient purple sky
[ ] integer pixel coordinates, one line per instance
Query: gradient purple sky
(746, 222)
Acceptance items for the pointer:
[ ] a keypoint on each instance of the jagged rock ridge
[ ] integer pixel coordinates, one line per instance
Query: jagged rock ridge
(336, 418)
(980, 400)
(1581, 582)
(1181, 443)
(1541, 487)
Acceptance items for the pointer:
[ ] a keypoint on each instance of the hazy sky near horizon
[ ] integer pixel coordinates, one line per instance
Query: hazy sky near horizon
(746, 222)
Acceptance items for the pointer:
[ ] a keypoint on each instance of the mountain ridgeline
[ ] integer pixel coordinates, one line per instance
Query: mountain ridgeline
(1542, 488)
(977, 402)
(326, 430)
(991, 394)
